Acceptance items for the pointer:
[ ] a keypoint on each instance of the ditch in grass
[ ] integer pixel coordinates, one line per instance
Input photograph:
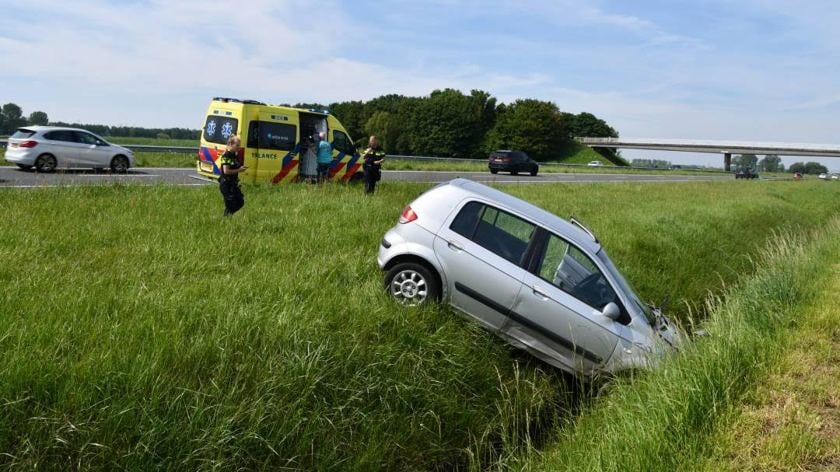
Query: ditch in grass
(141, 329)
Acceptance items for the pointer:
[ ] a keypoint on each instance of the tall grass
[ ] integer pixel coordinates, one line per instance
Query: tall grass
(661, 420)
(140, 329)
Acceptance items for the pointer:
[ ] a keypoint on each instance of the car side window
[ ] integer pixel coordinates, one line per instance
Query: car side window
(497, 231)
(342, 142)
(85, 138)
(61, 135)
(572, 271)
(269, 135)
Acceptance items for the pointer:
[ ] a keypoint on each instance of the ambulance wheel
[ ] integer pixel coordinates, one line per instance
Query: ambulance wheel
(412, 284)
(119, 164)
(357, 178)
(46, 163)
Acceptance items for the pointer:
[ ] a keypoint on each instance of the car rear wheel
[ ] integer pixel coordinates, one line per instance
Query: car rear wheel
(411, 284)
(119, 164)
(534, 171)
(514, 172)
(46, 163)
(494, 171)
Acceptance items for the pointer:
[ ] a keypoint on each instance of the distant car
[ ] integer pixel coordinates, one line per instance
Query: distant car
(823, 176)
(544, 284)
(47, 148)
(746, 174)
(595, 164)
(513, 162)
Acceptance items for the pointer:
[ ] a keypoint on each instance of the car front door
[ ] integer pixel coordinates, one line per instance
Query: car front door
(482, 252)
(91, 152)
(560, 304)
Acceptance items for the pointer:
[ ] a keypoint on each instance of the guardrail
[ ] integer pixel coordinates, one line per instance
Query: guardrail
(193, 150)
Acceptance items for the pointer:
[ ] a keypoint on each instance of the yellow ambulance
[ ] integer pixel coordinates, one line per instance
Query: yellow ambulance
(273, 140)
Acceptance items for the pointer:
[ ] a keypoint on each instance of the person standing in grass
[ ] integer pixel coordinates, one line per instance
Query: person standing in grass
(372, 167)
(324, 157)
(229, 180)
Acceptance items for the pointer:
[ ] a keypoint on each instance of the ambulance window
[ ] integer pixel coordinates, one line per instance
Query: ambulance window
(342, 143)
(268, 135)
(218, 129)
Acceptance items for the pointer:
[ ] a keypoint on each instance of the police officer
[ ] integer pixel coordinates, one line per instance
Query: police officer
(229, 180)
(372, 167)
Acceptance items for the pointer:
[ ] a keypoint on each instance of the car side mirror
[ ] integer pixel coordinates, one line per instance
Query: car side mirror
(611, 311)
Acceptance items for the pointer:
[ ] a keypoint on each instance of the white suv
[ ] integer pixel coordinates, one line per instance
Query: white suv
(544, 284)
(48, 147)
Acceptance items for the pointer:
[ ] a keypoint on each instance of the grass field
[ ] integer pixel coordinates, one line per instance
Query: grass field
(791, 421)
(142, 330)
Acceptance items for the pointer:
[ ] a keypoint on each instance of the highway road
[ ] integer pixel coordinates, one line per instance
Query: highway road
(17, 178)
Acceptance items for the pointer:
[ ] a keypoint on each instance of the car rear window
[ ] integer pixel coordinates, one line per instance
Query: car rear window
(218, 129)
(22, 134)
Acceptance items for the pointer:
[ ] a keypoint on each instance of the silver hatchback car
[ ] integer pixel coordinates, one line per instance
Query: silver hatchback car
(541, 283)
(48, 147)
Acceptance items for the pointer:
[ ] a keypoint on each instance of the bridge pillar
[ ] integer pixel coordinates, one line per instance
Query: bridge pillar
(727, 161)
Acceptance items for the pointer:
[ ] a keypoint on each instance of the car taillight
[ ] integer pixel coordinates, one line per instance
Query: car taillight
(408, 215)
(28, 144)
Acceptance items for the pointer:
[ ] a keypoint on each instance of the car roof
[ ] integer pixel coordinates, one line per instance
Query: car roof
(536, 214)
(39, 128)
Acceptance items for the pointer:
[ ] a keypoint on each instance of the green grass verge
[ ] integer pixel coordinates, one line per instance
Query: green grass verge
(153, 141)
(663, 420)
(140, 329)
(792, 420)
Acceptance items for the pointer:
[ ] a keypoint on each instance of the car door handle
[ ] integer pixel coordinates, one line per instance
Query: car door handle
(454, 245)
(540, 293)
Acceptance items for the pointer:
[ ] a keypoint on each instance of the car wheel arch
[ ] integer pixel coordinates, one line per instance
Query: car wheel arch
(432, 268)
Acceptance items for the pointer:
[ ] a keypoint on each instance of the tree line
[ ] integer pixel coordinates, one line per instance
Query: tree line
(12, 118)
(450, 123)
(773, 163)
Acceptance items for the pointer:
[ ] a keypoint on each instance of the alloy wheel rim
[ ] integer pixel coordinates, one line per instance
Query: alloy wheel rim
(409, 288)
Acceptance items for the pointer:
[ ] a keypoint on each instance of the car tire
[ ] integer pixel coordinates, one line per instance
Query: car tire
(412, 284)
(24, 167)
(534, 172)
(46, 163)
(494, 171)
(119, 164)
(514, 172)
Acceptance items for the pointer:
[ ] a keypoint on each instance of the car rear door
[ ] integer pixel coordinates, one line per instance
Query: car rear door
(64, 145)
(558, 310)
(482, 251)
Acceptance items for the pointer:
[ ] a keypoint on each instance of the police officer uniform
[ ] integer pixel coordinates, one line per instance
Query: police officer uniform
(372, 171)
(229, 184)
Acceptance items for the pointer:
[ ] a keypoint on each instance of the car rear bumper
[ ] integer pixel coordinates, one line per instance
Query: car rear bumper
(20, 156)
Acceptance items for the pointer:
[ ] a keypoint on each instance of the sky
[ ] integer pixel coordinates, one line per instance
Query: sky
(746, 70)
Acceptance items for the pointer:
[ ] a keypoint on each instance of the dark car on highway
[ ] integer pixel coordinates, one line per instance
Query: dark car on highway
(746, 174)
(513, 162)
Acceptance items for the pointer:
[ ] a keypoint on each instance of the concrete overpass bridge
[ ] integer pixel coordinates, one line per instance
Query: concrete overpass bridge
(727, 148)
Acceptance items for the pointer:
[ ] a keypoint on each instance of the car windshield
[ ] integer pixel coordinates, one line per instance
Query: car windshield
(625, 286)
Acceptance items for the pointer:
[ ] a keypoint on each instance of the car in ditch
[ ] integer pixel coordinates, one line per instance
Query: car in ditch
(544, 284)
